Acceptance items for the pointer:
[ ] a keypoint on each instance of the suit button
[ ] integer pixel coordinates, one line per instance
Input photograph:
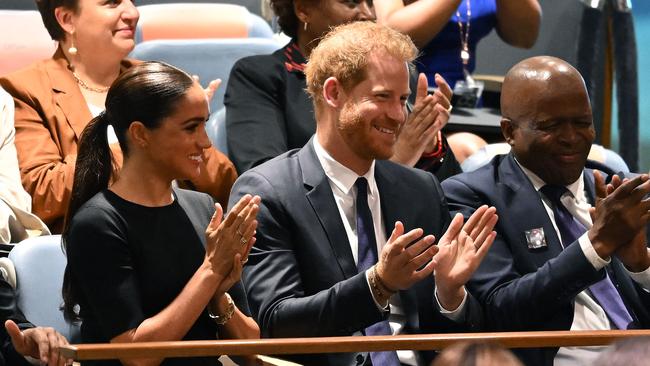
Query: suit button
(360, 360)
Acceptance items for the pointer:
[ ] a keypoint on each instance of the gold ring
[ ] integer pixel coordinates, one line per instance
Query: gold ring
(243, 241)
(450, 108)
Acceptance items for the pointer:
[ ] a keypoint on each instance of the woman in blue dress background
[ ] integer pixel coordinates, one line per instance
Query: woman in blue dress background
(437, 27)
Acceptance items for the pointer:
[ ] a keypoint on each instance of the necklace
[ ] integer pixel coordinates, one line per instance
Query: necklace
(88, 87)
(464, 35)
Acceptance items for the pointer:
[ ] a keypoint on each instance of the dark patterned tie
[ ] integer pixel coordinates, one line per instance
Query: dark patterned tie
(570, 229)
(367, 258)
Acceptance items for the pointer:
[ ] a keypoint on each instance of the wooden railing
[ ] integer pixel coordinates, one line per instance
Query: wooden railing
(279, 346)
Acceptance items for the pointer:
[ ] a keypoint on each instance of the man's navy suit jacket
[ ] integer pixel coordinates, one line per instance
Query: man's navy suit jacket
(525, 289)
(301, 278)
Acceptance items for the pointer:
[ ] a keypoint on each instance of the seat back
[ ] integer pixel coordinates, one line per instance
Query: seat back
(216, 129)
(597, 153)
(40, 264)
(208, 58)
(198, 21)
(24, 39)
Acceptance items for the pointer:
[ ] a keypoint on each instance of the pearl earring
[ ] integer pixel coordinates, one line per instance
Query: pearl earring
(72, 50)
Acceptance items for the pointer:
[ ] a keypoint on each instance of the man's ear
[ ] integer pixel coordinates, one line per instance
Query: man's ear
(333, 93)
(138, 134)
(508, 129)
(64, 17)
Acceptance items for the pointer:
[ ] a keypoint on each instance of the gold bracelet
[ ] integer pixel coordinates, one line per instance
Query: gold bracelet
(382, 292)
(381, 284)
(224, 318)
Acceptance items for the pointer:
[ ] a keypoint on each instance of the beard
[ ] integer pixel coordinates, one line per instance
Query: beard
(356, 131)
(349, 119)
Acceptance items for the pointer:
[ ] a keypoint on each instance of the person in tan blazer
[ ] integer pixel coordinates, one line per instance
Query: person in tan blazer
(56, 98)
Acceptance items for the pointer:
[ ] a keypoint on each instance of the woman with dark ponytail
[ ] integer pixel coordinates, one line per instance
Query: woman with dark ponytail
(147, 261)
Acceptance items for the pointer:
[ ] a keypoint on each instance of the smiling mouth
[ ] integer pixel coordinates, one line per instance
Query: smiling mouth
(571, 157)
(384, 130)
(126, 30)
(197, 158)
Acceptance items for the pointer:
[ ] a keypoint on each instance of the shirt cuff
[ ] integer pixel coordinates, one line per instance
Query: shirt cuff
(379, 307)
(588, 250)
(642, 278)
(456, 314)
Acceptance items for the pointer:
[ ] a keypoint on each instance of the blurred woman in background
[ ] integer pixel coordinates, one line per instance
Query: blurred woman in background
(56, 98)
(447, 32)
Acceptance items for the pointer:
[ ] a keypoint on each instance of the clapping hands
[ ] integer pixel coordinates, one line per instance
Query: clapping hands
(409, 257)
(461, 250)
(211, 88)
(430, 114)
(619, 220)
(230, 240)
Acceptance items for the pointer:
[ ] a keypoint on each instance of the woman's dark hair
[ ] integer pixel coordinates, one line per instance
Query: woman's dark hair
(46, 8)
(287, 18)
(147, 92)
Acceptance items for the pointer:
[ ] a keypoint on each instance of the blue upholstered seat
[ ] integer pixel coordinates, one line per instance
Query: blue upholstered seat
(40, 263)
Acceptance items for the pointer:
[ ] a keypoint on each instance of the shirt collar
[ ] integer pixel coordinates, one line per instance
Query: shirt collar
(576, 188)
(342, 176)
(296, 61)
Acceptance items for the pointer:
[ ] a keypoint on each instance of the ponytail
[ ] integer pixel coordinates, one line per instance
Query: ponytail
(147, 93)
(92, 173)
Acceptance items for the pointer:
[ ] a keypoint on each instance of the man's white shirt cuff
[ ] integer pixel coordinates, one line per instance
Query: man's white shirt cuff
(596, 261)
(642, 278)
(455, 314)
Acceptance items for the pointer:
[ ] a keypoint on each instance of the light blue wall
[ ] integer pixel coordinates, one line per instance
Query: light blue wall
(641, 11)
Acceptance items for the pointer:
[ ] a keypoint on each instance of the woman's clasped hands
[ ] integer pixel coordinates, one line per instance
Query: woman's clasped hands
(229, 240)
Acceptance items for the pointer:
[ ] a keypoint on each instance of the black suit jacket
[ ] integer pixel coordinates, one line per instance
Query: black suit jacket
(526, 289)
(301, 278)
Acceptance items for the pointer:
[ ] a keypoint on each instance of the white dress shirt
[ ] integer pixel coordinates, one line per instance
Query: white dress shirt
(588, 314)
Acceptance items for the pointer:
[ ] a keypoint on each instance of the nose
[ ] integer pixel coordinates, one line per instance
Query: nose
(203, 139)
(397, 112)
(130, 13)
(366, 11)
(568, 132)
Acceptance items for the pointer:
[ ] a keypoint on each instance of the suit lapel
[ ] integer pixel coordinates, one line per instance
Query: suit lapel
(526, 207)
(320, 196)
(67, 94)
(389, 196)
